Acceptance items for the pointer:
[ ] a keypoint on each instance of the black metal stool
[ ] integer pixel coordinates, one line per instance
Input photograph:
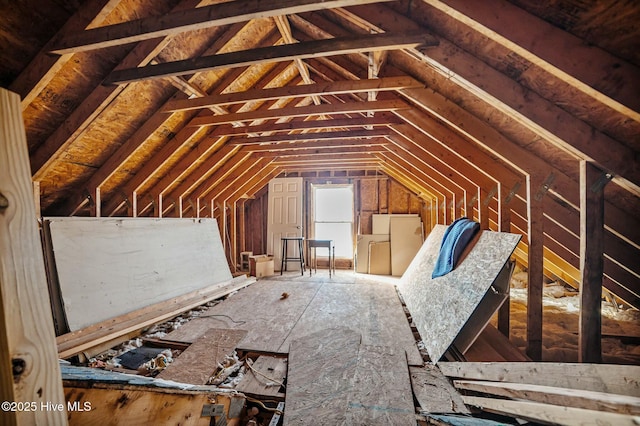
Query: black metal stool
(285, 259)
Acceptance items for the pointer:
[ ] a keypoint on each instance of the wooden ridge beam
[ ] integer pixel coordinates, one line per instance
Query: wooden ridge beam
(329, 157)
(316, 144)
(382, 119)
(316, 136)
(324, 88)
(289, 52)
(189, 20)
(290, 112)
(322, 151)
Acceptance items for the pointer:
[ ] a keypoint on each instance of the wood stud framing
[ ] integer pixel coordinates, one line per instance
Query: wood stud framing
(472, 130)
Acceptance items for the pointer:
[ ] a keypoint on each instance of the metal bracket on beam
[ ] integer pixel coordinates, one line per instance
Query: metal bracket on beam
(490, 195)
(125, 198)
(604, 179)
(512, 193)
(544, 188)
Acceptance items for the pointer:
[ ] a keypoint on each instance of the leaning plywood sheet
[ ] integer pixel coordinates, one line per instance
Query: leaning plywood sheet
(380, 223)
(406, 240)
(109, 267)
(362, 250)
(380, 258)
(440, 307)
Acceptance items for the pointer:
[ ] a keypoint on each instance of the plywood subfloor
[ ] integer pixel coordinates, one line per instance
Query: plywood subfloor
(335, 379)
(201, 359)
(312, 304)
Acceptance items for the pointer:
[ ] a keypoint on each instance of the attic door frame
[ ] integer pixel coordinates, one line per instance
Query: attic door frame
(312, 228)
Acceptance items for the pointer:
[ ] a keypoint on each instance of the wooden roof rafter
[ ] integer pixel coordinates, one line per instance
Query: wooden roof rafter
(514, 100)
(188, 20)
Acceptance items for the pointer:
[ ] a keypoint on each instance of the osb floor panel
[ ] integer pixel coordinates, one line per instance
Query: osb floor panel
(368, 305)
(335, 380)
(198, 362)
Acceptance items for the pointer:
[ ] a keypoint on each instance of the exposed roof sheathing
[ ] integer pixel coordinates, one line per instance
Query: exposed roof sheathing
(461, 102)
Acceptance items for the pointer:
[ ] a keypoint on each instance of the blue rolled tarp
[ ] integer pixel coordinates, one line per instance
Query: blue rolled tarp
(455, 239)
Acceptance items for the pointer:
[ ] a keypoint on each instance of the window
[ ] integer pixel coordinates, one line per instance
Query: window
(333, 216)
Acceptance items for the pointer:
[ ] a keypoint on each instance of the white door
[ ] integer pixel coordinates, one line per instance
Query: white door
(284, 218)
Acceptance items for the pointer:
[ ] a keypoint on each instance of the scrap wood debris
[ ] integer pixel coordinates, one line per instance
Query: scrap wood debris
(230, 372)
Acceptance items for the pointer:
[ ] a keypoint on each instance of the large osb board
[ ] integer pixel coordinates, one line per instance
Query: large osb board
(440, 307)
(112, 266)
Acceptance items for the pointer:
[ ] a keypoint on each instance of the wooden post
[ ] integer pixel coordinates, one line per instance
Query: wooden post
(243, 225)
(28, 353)
(592, 182)
(504, 225)
(535, 194)
(36, 198)
(233, 238)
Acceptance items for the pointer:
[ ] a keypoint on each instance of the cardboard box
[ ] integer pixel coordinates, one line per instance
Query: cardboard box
(261, 266)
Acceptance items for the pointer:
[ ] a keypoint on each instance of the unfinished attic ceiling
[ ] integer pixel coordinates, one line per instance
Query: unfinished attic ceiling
(485, 109)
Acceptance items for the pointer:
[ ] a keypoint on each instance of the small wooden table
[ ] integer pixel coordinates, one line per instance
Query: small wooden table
(313, 261)
(285, 259)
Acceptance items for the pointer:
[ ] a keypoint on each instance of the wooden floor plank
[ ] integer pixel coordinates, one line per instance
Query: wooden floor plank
(264, 377)
(547, 413)
(590, 400)
(373, 309)
(262, 311)
(200, 360)
(617, 379)
(433, 391)
(380, 392)
(321, 368)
